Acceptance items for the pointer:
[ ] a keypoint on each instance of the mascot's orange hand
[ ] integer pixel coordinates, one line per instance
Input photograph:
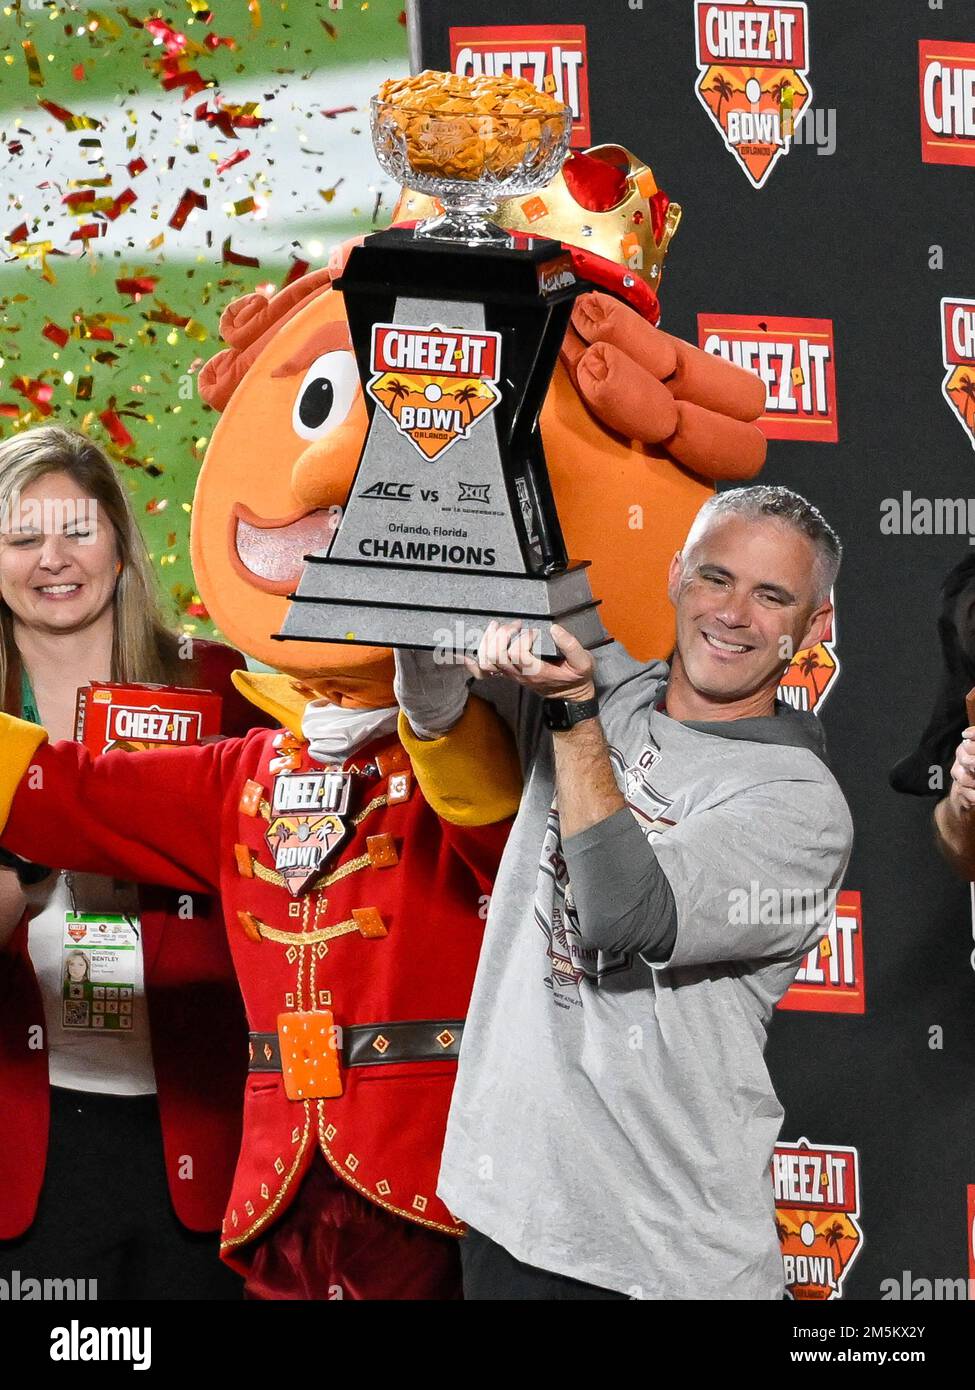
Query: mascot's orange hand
(652, 387)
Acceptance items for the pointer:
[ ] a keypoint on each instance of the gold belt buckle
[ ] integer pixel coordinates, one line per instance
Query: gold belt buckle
(309, 1054)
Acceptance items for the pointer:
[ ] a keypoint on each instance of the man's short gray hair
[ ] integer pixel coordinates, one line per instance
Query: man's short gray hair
(784, 505)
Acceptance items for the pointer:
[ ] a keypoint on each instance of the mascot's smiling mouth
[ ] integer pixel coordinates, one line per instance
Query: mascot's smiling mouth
(269, 554)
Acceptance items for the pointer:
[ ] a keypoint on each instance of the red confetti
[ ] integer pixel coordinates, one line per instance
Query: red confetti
(19, 233)
(124, 200)
(55, 334)
(338, 111)
(78, 72)
(163, 33)
(136, 167)
(213, 42)
(88, 231)
(68, 118)
(39, 393)
(185, 206)
(9, 410)
(191, 82)
(79, 199)
(235, 258)
(297, 270)
(231, 160)
(137, 286)
(116, 430)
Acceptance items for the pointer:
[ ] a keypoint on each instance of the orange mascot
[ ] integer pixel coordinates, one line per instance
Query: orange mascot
(354, 907)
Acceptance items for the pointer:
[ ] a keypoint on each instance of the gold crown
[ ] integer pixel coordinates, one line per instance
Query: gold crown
(622, 234)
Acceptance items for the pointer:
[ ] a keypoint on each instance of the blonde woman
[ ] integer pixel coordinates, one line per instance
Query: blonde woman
(101, 1073)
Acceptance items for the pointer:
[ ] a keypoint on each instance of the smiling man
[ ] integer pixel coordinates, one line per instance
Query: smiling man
(613, 1120)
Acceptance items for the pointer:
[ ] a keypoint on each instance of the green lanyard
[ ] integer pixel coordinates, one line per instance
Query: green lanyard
(28, 704)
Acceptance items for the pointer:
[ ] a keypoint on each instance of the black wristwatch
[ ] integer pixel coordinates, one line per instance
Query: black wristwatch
(561, 715)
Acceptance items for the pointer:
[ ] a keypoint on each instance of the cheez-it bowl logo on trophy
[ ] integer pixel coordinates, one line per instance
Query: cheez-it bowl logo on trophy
(753, 67)
(457, 324)
(432, 384)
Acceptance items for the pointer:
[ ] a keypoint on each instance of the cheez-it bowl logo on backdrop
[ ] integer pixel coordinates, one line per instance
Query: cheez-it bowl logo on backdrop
(817, 1206)
(947, 96)
(811, 674)
(550, 56)
(830, 979)
(794, 357)
(958, 353)
(753, 64)
(434, 383)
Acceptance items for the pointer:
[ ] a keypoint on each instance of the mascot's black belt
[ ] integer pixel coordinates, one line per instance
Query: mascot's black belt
(373, 1044)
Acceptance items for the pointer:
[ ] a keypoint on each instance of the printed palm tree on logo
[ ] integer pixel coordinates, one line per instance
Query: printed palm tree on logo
(396, 389)
(834, 1234)
(725, 91)
(465, 395)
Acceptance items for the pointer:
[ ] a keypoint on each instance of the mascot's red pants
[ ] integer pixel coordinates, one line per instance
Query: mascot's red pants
(329, 1228)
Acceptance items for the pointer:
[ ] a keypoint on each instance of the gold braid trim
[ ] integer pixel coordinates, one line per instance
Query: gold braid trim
(344, 1174)
(363, 861)
(276, 1202)
(305, 938)
(370, 806)
(351, 866)
(367, 810)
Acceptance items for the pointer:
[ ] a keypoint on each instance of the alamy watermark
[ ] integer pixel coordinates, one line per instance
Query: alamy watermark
(21, 1288)
(23, 517)
(911, 515)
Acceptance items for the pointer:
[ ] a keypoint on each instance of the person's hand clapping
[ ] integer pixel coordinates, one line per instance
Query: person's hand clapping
(506, 650)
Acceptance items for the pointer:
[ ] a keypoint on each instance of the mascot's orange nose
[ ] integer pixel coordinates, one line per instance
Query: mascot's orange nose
(322, 473)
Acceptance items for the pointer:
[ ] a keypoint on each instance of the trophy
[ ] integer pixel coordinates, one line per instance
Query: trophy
(457, 326)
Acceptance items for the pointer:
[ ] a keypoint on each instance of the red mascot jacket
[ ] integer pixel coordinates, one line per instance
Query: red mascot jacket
(191, 995)
(387, 940)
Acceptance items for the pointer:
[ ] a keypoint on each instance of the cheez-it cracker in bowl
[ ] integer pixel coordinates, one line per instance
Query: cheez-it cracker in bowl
(465, 127)
(111, 715)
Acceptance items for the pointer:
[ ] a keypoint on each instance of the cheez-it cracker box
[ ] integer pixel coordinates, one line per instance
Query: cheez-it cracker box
(111, 715)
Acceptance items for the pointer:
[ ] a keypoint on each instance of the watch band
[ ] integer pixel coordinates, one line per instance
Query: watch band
(560, 715)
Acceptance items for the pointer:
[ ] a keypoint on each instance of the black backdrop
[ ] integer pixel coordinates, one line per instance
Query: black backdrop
(845, 237)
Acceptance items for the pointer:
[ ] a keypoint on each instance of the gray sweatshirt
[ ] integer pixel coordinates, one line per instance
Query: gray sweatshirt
(613, 1119)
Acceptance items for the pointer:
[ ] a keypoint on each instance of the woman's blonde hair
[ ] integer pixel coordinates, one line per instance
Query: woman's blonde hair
(143, 647)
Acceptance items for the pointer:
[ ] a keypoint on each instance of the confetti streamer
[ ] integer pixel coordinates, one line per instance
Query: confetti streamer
(298, 269)
(190, 200)
(56, 335)
(117, 432)
(230, 257)
(67, 118)
(137, 286)
(231, 160)
(118, 205)
(38, 392)
(34, 75)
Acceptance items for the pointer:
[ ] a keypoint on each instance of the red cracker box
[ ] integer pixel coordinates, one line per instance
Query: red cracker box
(111, 715)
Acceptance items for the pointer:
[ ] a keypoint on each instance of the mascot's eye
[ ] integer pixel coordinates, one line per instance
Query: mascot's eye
(326, 395)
